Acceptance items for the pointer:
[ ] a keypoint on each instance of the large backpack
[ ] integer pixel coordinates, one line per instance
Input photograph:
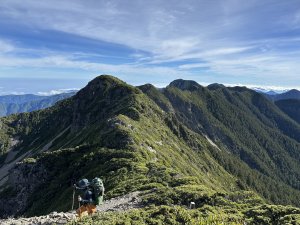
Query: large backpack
(98, 190)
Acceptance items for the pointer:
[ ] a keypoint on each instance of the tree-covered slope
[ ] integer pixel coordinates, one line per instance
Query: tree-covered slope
(228, 150)
(112, 130)
(11, 104)
(291, 107)
(247, 125)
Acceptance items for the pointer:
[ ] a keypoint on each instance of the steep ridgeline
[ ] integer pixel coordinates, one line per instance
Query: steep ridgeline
(108, 129)
(10, 104)
(261, 144)
(221, 148)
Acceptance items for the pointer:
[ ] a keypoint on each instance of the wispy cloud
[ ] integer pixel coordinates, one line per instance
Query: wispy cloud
(212, 40)
(264, 88)
(5, 47)
(11, 93)
(63, 61)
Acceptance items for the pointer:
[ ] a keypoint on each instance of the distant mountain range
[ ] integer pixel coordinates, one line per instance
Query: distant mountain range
(288, 101)
(10, 104)
(291, 94)
(272, 93)
(269, 90)
(278, 94)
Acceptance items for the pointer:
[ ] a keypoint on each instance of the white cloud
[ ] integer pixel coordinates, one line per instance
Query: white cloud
(265, 88)
(194, 65)
(224, 36)
(206, 54)
(224, 51)
(11, 93)
(5, 47)
(161, 29)
(71, 63)
(56, 92)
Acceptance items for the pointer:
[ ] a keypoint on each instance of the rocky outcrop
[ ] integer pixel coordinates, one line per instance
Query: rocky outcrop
(53, 218)
(24, 178)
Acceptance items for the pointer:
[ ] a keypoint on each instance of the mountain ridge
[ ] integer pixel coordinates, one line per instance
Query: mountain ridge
(290, 94)
(177, 144)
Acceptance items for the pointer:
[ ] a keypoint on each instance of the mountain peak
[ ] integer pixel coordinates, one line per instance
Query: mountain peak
(293, 91)
(215, 86)
(240, 89)
(189, 85)
(105, 80)
(147, 87)
(106, 84)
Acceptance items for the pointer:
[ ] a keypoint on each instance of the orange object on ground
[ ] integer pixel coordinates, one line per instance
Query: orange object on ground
(89, 208)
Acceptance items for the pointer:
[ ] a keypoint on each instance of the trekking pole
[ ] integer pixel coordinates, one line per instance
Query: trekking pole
(73, 198)
(79, 207)
(79, 200)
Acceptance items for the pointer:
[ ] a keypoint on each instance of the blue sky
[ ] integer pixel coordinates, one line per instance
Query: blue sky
(254, 43)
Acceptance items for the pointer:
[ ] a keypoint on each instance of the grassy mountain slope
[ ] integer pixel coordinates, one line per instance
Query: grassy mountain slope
(176, 145)
(247, 125)
(125, 140)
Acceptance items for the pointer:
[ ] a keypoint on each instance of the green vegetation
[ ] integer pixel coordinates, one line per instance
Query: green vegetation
(160, 215)
(230, 150)
(291, 107)
(262, 142)
(207, 215)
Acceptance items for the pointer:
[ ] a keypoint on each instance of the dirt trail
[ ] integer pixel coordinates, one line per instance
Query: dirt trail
(212, 143)
(122, 203)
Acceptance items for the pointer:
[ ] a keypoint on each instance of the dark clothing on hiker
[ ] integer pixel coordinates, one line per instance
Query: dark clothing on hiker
(87, 196)
(92, 196)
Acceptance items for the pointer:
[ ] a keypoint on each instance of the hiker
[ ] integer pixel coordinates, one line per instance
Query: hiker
(93, 193)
